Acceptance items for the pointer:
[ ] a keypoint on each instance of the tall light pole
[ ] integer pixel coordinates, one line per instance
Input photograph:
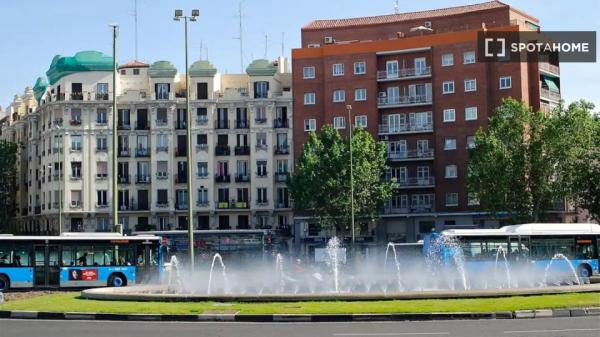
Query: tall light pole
(115, 136)
(349, 108)
(178, 16)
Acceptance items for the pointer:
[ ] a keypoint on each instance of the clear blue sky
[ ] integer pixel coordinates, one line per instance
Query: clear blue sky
(33, 31)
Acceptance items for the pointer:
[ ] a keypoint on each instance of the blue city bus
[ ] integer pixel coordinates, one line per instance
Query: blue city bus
(531, 244)
(78, 260)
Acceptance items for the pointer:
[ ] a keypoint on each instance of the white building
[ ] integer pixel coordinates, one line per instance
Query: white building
(241, 150)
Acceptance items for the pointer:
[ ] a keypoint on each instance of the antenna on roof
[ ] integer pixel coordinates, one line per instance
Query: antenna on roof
(266, 45)
(282, 43)
(240, 37)
(135, 17)
(201, 49)
(396, 7)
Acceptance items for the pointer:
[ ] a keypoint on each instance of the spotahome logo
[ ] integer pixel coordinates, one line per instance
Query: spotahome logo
(493, 46)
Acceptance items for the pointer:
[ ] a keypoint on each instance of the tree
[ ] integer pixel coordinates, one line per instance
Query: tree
(528, 159)
(320, 185)
(8, 186)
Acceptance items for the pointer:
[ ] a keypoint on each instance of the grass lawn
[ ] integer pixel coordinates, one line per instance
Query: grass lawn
(71, 302)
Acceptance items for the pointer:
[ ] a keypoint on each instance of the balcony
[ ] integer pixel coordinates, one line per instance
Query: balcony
(549, 95)
(242, 178)
(233, 204)
(180, 125)
(403, 74)
(202, 120)
(162, 203)
(202, 147)
(260, 120)
(282, 149)
(242, 150)
(162, 122)
(58, 122)
(181, 205)
(75, 148)
(101, 96)
(415, 182)
(180, 152)
(123, 126)
(281, 177)
(123, 179)
(57, 150)
(143, 179)
(124, 152)
(282, 204)
(142, 125)
(101, 121)
(202, 175)
(280, 123)
(76, 96)
(180, 178)
(37, 210)
(162, 175)
(76, 204)
(222, 150)
(102, 176)
(222, 178)
(262, 147)
(242, 124)
(164, 149)
(262, 174)
(101, 149)
(222, 124)
(415, 208)
(405, 128)
(548, 68)
(403, 101)
(104, 205)
(60, 96)
(142, 152)
(75, 122)
(410, 155)
(202, 203)
(75, 177)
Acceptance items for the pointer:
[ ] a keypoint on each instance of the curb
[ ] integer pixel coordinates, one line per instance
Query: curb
(519, 314)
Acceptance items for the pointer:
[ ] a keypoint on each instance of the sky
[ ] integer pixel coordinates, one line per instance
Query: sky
(33, 31)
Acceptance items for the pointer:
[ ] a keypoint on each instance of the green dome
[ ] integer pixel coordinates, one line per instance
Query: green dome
(261, 67)
(39, 88)
(162, 69)
(62, 66)
(202, 68)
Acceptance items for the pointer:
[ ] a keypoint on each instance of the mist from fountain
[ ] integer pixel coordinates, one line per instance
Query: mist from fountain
(556, 257)
(506, 267)
(174, 272)
(396, 263)
(223, 272)
(333, 247)
(279, 272)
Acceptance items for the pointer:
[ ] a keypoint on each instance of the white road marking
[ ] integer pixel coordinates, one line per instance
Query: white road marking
(392, 334)
(544, 331)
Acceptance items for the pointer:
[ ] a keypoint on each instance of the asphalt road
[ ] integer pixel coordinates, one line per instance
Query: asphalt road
(580, 326)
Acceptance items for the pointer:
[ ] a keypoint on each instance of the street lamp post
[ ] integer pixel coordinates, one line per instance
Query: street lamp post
(115, 137)
(178, 16)
(349, 108)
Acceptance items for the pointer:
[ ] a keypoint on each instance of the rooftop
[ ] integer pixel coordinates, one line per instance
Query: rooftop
(400, 17)
(134, 64)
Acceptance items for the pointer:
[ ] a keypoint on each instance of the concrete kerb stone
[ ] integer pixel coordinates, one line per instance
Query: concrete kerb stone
(561, 313)
(578, 312)
(24, 314)
(80, 315)
(524, 314)
(543, 313)
(593, 311)
(292, 318)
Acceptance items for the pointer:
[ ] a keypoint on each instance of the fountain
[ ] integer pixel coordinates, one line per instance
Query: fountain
(556, 257)
(396, 262)
(174, 266)
(506, 268)
(223, 272)
(333, 247)
(279, 271)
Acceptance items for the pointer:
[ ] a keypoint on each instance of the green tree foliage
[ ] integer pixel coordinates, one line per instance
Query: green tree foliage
(527, 160)
(320, 186)
(8, 186)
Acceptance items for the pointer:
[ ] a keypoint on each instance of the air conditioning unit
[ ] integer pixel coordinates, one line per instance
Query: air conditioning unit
(427, 24)
(314, 45)
(328, 39)
(382, 94)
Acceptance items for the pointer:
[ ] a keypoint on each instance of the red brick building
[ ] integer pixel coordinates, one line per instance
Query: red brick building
(414, 81)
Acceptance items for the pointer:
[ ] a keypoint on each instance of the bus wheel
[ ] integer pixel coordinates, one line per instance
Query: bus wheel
(117, 280)
(584, 271)
(4, 283)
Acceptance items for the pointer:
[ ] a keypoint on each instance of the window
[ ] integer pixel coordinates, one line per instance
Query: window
(420, 66)
(162, 142)
(451, 171)
(101, 116)
(162, 169)
(161, 115)
(449, 115)
(282, 166)
(101, 143)
(162, 197)
(470, 142)
(448, 87)
(470, 85)
(360, 94)
(161, 90)
(338, 69)
(360, 121)
(262, 195)
(447, 60)
(450, 144)
(261, 114)
(505, 82)
(360, 68)
(469, 57)
(451, 199)
(309, 98)
(202, 90)
(136, 71)
(76, 142)
(339, 95)
(308, 72)
(391, 68)
(310, 124)
(471, 113)
(261, 168)
(339, 123)
(261, 139)
(123, 72)
(261, 89)
(202, 169)
(203, 196)
(102, 169)
(472, 199)
(101, 198)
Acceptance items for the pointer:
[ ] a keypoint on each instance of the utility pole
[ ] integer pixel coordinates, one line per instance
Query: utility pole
(115, 137)
(179, 15)
(349, 108)
(241, 40)
(135, 18)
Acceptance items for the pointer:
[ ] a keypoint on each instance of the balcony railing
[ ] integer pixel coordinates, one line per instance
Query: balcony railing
(242, 178)
(76, 204)
(102, 96)
(161, 122)
(202, 120)
(202, 175)
(550, 68)
(243, 150)
(281, 177)
(142, 125)
(162, 203)
(180, 152)
(222, 178)
(405, 128)
(549, 94)
(142, 152)
(101, 149)
(233, 204)
(77, 96)
(124, 152)
(180, 178)
(393, 101)
(143, 179)
(123, 179)
(416, 182)
(222, 124)
(123, 126)
(102, 176)
(162, 175)
(180, 125)
(75, 122)
(260, 120)
(222, 150)
(282, 149)
(282, 204)
(416, 208)
(410, 155)
(242, 124)
(162, 149)
(101, 121)
(202, 147)
(403, 73)
(280, 123)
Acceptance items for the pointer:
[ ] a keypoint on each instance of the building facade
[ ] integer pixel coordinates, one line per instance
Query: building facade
(241, 131)
(414, 81)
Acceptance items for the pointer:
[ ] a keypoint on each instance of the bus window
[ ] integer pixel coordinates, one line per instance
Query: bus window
(544, 248)
(109, 256)
(140, 259)
(21, 256)
(67, 256)
(584, 249)
(84, 256)
(126, 256)
(5, 255)
(99, 256)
